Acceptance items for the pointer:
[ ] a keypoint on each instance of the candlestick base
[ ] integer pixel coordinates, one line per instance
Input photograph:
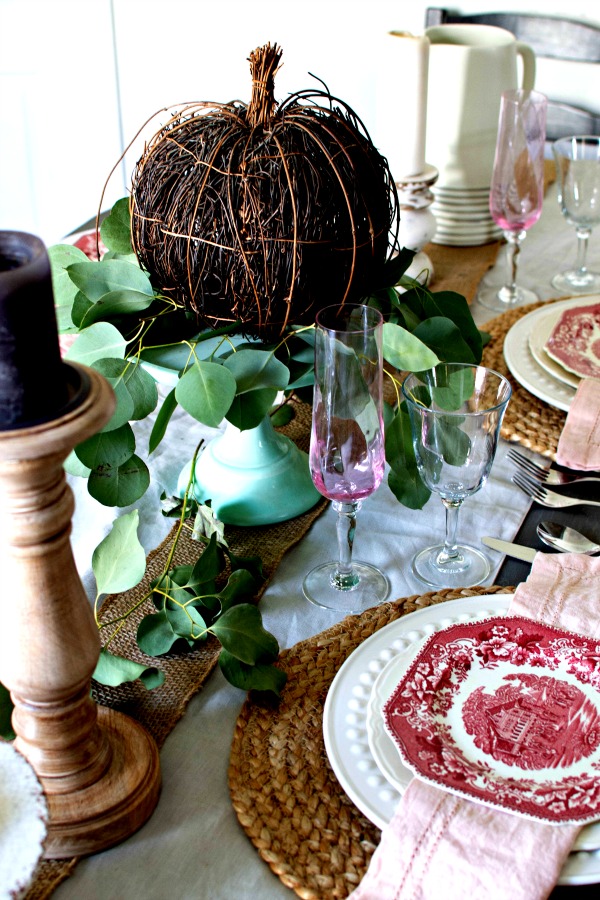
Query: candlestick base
(417, 222)
(110, 809)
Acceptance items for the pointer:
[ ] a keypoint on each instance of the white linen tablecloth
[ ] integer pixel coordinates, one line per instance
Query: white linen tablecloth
(193, 846)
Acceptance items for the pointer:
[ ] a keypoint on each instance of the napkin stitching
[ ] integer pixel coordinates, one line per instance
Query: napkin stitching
(447, 817)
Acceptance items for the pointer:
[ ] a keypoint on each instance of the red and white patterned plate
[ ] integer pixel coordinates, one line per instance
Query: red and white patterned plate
(505, 711)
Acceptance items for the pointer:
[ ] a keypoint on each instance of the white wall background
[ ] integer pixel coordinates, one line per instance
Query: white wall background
(78, 78)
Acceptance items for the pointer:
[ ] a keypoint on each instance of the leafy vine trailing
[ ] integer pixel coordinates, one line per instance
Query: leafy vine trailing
(118, 322)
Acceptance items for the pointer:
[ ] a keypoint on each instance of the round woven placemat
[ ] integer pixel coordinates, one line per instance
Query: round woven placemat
(528, 420)
(285, 794)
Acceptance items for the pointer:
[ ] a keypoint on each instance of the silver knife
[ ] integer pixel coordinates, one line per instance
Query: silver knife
(527, 554)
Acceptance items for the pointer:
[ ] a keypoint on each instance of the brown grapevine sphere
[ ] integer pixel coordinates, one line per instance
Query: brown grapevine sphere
(263, 213)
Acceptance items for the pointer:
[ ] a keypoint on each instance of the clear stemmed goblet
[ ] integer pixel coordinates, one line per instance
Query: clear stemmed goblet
(578, 171)
(455, 414)
(517, 188)
(347, 456)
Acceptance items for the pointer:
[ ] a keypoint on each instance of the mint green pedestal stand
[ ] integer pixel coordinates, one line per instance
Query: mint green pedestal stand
(252, 477)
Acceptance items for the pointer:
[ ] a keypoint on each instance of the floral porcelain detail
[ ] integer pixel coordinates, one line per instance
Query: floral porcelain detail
(507, 712)
(575, 340)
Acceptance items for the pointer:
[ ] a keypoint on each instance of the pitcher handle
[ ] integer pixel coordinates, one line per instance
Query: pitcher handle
(528, 57)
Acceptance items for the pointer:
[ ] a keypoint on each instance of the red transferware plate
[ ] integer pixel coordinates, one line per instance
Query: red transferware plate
(575, 340)
(506, 712)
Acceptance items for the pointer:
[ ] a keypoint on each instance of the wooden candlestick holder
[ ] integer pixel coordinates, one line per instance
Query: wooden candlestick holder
(99, 768)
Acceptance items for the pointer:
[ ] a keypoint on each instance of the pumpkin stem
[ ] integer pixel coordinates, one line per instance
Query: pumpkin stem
(264, 63)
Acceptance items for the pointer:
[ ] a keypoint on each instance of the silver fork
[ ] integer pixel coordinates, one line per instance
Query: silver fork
(546, 497)
(528, 467)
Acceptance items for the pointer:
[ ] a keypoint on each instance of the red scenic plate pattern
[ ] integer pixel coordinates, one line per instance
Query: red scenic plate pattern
(575, 340)
(505, 711)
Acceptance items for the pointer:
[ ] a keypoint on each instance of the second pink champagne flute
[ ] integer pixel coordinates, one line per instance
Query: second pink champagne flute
(517, 189)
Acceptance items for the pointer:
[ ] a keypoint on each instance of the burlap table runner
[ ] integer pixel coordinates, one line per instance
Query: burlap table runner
(159, 710)
(527, 420)
(283, 789)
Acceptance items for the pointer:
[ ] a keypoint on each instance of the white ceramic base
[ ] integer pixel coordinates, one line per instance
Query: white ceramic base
(252, 477)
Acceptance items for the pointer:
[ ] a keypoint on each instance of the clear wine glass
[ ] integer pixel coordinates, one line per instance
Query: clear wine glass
(455, 415)
(347, 455)
(517, 188)
(578, 172)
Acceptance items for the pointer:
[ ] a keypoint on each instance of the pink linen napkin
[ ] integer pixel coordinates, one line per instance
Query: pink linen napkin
(440, 844)
(579, 443)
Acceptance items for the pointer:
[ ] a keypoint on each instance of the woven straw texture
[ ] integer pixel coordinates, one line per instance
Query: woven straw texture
(160, 710)
(527, 421)
(285, 794)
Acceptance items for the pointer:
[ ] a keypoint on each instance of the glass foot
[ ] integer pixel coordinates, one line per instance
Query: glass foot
(372, 588)
(470, 568)
(572, 281)
(501, 299)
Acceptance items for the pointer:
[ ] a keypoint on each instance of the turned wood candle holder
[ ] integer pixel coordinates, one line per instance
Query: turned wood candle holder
(99, 768)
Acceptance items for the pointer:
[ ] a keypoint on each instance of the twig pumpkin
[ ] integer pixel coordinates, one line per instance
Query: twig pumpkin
(263, 213)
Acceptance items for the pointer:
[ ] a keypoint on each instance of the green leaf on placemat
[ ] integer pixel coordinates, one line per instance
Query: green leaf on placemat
(261, 677)
(112, 670)
(241, 633)
(119, 561)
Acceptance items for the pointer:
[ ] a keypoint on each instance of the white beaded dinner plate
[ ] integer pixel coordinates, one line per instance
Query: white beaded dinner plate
(344, 715)
(524, 368)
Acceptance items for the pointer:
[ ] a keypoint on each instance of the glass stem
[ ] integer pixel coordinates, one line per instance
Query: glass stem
(513, 248)
(450, 551)
(345, 578)
(582, 247)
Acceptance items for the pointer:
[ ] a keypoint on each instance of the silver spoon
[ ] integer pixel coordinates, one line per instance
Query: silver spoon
(566, 539)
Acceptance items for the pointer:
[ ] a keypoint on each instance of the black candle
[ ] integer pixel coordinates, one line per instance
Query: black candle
(34, 382)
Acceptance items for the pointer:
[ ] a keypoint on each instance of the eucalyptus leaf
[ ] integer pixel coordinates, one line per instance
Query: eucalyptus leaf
(99, 341)
(206, 392)
(404, 479)
(240, 587)
(255, 369)
(107, 448)
(119, 561)
(113, 670)
(445, 338)
(120, 486)
(405, 351)
(73, 466)
(97, 278)
(282, 416)
(453, 306)
(81, 306)
(241, 632)
(61, 256)
(115, 229)
(262, 677)
(187, 623)
(248, 410)
(115, 304)
(162, 420)
(208, 565)
(155, 635)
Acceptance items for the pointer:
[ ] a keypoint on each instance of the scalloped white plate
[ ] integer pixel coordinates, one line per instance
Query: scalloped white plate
(345, 715)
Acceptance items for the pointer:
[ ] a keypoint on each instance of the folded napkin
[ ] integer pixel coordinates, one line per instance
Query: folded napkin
(579, 443)
(438, 844)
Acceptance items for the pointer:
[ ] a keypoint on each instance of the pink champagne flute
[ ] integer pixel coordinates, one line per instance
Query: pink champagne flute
(347, 454)
(517, 189)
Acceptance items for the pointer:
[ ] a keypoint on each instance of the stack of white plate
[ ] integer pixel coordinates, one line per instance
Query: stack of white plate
(463, 216)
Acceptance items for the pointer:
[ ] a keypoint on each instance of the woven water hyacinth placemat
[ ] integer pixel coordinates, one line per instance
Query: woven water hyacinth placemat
(160, 710)
(528, 420)
(283, 789)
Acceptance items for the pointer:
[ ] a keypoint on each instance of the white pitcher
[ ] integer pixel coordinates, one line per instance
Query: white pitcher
(469, 68)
